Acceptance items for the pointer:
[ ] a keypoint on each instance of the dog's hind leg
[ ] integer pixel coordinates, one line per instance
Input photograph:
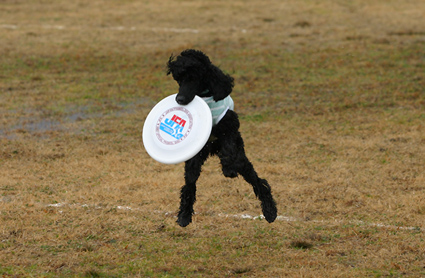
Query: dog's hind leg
(234, 162)
(188, 192)
(241, 165)
(261, 188)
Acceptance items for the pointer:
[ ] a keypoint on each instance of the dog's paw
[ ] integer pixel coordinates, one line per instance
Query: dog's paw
(270, 216)
(230, 173)
(269, 211)
(184, 220)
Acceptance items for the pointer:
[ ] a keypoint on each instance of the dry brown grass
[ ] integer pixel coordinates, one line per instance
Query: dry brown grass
(338, 85)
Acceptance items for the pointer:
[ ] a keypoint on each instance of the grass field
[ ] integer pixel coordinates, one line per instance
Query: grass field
(331, 96)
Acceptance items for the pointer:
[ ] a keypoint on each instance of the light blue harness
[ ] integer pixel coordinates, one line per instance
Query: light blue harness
(219, 108)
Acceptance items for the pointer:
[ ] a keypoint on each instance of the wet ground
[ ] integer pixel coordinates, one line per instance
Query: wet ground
(73, 119)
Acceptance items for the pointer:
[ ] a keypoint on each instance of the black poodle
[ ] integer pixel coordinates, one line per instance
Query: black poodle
(196, 75)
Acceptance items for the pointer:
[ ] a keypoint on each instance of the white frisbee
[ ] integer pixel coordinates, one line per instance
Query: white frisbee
(174, 133)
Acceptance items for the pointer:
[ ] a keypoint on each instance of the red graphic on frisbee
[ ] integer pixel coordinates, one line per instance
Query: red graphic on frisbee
(174, 125)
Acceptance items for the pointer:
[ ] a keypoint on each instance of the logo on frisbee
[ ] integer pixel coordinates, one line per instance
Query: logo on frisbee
(174, 125)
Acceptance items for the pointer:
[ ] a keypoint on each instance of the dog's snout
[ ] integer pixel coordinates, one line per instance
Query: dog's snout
(180, 99)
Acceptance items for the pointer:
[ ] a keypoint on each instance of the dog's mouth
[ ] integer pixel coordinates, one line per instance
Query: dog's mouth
(182, 100)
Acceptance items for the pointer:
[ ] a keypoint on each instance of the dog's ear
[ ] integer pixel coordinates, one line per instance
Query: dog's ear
(170, 64)
(220, 84)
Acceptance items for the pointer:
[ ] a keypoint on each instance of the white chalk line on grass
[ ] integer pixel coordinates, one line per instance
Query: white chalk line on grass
(251, 217)
(112, 28)
(116, 28)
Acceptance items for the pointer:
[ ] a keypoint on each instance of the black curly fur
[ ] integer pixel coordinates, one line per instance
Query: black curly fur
(195, 74)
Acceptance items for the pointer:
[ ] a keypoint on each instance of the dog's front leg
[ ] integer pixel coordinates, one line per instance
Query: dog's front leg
(188, 192)
(187, 199)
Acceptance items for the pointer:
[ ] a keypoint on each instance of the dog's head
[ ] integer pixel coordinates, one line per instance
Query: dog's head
(196, 75)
